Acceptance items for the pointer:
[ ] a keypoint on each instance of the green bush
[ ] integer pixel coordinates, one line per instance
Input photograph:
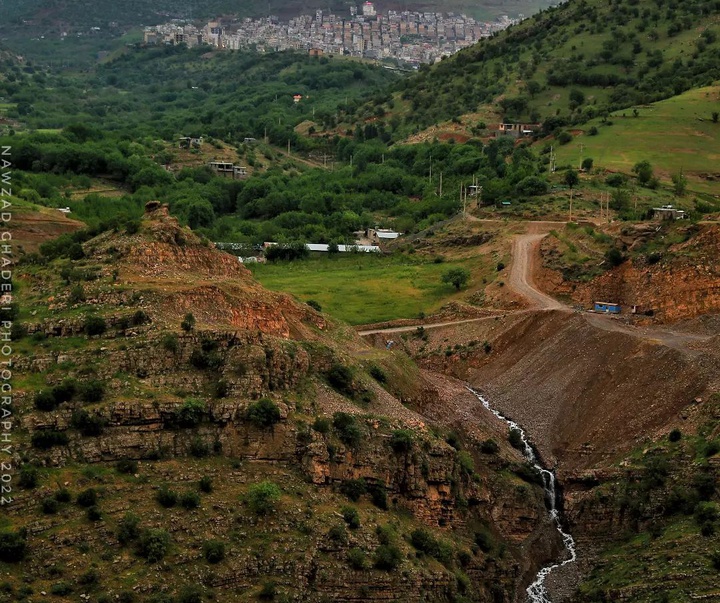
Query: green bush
(48, 438)
(88, 424)
(340, 377)
(190, 594)
(388, 557)
(13, 546)
(338, 534)
(93, 514)
(188, 323)
(28, 477)
(49, 505)
(262, 498)
(347, 429)
(675, 435)
(378, 374)
(126, 466)
(166, 497)
(61, 589)
(351, 517)
(205, 484)
(153, 544)
(321, 425)
(199, 448)
(424, 542)
(314, 305)
(214, 551)
(128, 528)
(94, 325)
(357, 559)
(268, 591)
(401, 440)
(484, 540)
(91, 391)
(489, 447)
(63, 495)
(515, 439)
(87, 498)
(190, 414)
(169, 342)
(45, 401)
(190, 500)
(378, 495)
(89, 578)
(264, 413)
(64, 391)
(466, 462)
(353, 488)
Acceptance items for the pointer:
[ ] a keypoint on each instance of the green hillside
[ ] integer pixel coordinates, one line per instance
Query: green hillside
(675, 135)
(572, 63)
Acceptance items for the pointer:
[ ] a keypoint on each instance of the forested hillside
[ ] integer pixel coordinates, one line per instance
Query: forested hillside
(574, 62)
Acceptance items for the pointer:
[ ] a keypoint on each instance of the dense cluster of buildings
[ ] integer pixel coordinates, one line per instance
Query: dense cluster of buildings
(407, 36)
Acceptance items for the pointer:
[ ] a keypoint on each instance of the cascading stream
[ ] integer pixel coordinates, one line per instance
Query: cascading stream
(537, 593)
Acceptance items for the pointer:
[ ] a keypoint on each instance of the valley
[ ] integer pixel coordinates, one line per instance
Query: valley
(301, 328)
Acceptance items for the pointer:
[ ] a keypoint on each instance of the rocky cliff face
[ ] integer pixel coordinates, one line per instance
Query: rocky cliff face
(174, 406)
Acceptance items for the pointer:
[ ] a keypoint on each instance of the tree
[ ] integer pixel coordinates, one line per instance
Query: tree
(571, 178)
(644, 172)
(458, 277)
(264, 413)
(679, 184)
(587, 164)
(715, 116)
(188, 322)
(263, 497)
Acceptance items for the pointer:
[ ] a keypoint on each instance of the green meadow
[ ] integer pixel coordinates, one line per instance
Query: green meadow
(367, 288)
(674, 135)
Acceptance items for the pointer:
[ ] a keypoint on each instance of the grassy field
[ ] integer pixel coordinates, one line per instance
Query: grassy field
(366, 288)
(673, 135)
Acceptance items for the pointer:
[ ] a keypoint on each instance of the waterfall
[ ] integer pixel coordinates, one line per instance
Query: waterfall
(537, 593)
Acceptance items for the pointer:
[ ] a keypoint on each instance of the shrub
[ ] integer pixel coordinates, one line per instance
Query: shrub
(529, 473)
(45, 401)
(401, 440)
(28, 477)
(466, 462)
(88, 424)
(190, 414)
(198, 448)
(93, 514)
(484, 541)
(126, 466)
(353, 488)
(190, 500)
(357, 559)
(90, 577)
(378, 374)
(321, 425)
(378, 495)
(341, 379)
(347, 429)
(214, 551)
(61, 589)
(205, 484)
(128, 528)
(188, 323)
(424, 542)
(49, 505)
(262, 498)
(500, 267)
(13, 546)
(616, 180)
(63, 495)
(153, 544)
(614, 256)
(338, 534)
(48, 438)
(170, 342)
(87, 498)
(387, 557)
(166, 497)
(139, 318)
(264, 413)
(92, 391)
(675, 435)
(94, 325)
(351, 517)
(64, 392)
(190, 594)
(515, 438)
(457, 277)
(314, 305)
(489, 447)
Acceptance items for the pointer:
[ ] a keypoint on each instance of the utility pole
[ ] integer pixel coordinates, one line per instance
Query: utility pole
(582, 146)
(288, 146)
(552, 160)
(571, 200)
(440, 195)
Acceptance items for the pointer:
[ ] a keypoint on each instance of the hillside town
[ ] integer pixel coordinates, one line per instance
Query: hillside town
(408, 37)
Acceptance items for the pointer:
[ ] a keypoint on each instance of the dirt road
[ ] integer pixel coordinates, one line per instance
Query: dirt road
(524, 254)
(430, 326)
